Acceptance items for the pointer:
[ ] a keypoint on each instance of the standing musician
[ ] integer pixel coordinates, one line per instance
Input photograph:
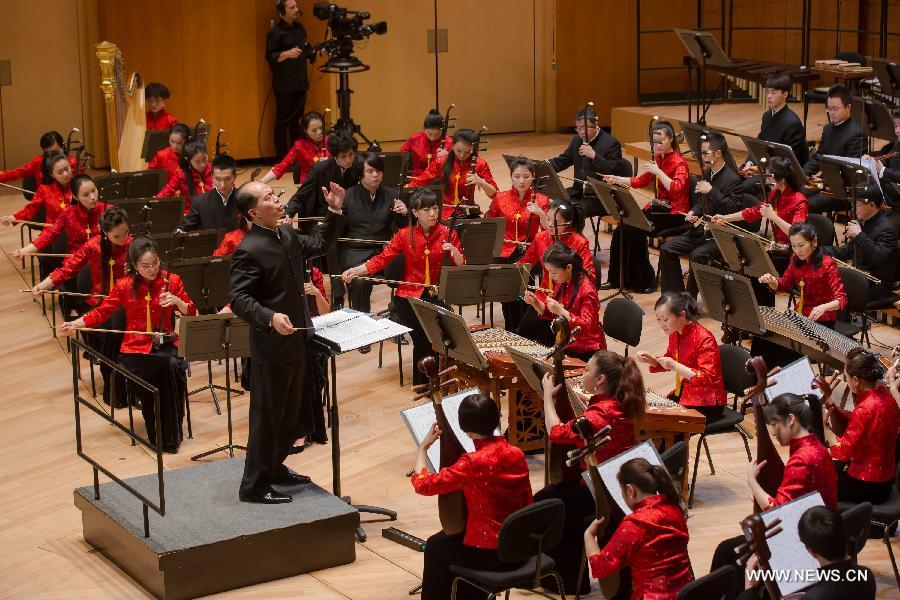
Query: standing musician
(31, 172)
(617, 400)
(454, 170)
(170, 158)
(692, 353)
(867, 446)
(574, 297)
(194, 177)
(718, 193)
(524, 211)
(267, 291)
(652, 539)
(217, 208)
(427, 145)
(158, 118)
(422, 247)
(888, 167)
(493, 479)
(310, 148)
(671, 178)
(148, 297)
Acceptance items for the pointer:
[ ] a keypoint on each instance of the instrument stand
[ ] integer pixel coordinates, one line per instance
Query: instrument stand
(760, 149)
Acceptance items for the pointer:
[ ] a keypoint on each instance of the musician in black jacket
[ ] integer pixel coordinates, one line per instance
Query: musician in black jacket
(602, 151)
(841, 136)
(217, 208)
(718, 193)
(267, 291)
(889, 168)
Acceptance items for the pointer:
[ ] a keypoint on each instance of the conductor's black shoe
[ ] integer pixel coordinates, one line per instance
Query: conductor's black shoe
(606, 285)
(288, 477)
(266, 497)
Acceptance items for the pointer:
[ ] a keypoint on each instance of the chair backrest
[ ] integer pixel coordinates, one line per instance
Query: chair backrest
(623, 320)
(535, 528)
(824, 229)
(857, 521)
(719, 584)
(675, 459)
(735, 376)
(856, 286)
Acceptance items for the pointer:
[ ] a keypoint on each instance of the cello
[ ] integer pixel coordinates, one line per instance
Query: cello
(557, 470)
(773, 471)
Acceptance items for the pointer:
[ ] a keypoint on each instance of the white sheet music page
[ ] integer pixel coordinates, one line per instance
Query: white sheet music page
(795, 378)
(350, 329)
(420, 418)
(609, 470)
(788, 552)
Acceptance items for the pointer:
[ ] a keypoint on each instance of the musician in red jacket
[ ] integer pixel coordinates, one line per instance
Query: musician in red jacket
(423, 247)
(310, 148)
(574, 297)
(170, 158)
(493, 479)
(427, 145)
(652, 539)
(30, 173)
(692, 354)
(866, 448)
(454, 170)
(617, 400)
(193, 178)
(158, 118)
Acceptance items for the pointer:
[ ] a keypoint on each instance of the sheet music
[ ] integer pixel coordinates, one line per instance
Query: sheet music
(788, 552)
(796, 378)
(329, 319)
(868, 164)
(609, 470)
(349, 330)
(420, 418)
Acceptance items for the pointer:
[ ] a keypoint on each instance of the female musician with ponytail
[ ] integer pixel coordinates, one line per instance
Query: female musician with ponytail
(52, 196)
(310, 148)
(652, 539)
(493, 479)
(427, 145)
(149, 296)
(31, 172)
(617, 400)
(170, 158)
(194, 177)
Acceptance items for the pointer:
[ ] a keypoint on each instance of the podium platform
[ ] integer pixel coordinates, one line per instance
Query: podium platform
(209, 541)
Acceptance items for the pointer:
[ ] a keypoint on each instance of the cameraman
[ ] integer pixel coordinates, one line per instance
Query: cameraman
(286, 51)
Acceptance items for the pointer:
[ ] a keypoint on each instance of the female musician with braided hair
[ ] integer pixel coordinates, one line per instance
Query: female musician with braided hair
(194, 177)
(427, 145)
(652, 539)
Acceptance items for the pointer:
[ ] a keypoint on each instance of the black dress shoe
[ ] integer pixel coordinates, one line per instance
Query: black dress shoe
(648, 290)
(606, 285)
(291, 478)
(266, 497)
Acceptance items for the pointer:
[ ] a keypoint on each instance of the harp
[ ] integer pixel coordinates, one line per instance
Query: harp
(123, 102)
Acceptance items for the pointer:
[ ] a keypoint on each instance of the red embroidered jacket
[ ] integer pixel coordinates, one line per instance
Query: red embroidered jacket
(32, 168)
(676, 168)
(422, 151)
(177, 186)
(809, 469)
(791, 206)
(79, 223)
(457, 190)
(653, 541)
(520, 224)
(142, 309)
(304, 152)
(820, 285)
(603, 410)
(160, 120)
(52, 197)
(89, 254)
(534, 255)
(230, 242)
(868, 443)
(697, 349)
(425, 250)
(166, 159)
(584, 312)
(494, 480)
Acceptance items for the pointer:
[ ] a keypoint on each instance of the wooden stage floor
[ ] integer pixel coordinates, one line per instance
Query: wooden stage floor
(40, 529)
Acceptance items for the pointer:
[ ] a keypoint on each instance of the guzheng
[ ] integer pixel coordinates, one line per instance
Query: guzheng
(492, 341)
(801, 334)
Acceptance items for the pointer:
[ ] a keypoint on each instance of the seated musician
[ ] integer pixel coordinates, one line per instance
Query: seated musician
(841, 136)
(341, 168)
(718, 193)
(454, 171)
(617, 400)
(148, 296)
(692, 353)
(888, 168)
(525, 214)
(422, 246)
(652, 540)
(309, 149)
(493, 479)
(865, 448)
(30, 172)
(427, 145)
(871, 243)
(669, 176)
(158, 118)
(217, 208)
(170, 158)
(574, 297)
(193, 178)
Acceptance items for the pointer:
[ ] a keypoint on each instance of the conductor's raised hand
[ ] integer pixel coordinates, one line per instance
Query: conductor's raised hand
(282, 324)
(334, 196)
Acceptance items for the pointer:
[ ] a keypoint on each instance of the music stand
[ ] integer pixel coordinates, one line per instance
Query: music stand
(888, 74)
(760, 149)
(874, 117)
(839, 175)
(481, 239)
(465, 285)
(214, 337)
(692, 133)
(154, 141)
(744, 253)
(729, 298)
(448, 333)
(407, 192)
(705, 49)
(112, 187)
(165, 213)
(197, 244)
(396, 166)
(546, 180)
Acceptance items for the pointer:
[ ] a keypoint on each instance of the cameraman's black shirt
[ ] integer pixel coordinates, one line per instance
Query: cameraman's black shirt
(288, 75)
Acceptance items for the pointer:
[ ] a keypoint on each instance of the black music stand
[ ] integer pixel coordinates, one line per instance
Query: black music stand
(481, 239)
(705, 49)
(888, 74)
(760, 149)
(532, 369)
(744, 253)
(448, 333)
(466, 285)
(729, 298)
(546, 180)
(693, 132)
(874, 117)
(215, 337)
(840, 175)
(165, 213)
(396, 166)
(197, 244)
(154, 141)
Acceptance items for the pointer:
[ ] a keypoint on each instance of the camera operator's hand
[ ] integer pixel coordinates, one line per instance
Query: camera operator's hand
(294, 52)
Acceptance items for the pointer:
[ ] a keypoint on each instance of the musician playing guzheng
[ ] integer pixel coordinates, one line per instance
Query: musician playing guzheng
(867, 444)
(692, 355)
(652, 540)
(617, 399)
(427, 145)
(574, 297)
(493, 479)
(169, 158)
(193, 178)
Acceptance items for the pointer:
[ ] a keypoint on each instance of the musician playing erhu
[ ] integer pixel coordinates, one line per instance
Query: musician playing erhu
(30, 172)
(454, 170)
(309, 149)
(574, 297)
(192, 178)
(427, 145)
(169, 158)
(617, 399)
(652, 540)
(692, 354)
(423, 246)
(149, 297)
(669, 179)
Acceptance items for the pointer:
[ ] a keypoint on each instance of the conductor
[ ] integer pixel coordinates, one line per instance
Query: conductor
(267, 291)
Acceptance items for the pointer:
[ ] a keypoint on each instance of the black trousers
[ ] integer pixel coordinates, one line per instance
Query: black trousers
(441, 551)
(725, 555)
(635, 245)
(568, 553)
(276, 401)
(851, 489)
(107, 345)
(696, 247)
(421, 346)
(289, 107)
(165, 370)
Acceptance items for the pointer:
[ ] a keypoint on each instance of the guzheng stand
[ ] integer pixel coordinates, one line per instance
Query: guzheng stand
(214, 337)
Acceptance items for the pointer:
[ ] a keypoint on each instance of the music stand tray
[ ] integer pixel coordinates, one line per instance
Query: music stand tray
(165, 213)
(448, 333)
(396, 166)
(112, 187)
(197, 244)
(703, 47)
(874, 117)
(145, 184)
(888, 74)
(760, 149)
(154, 141)
(467, 285)
(692, 133)
(744, 254)
(729, 298)
(481, 239)
(206, 280)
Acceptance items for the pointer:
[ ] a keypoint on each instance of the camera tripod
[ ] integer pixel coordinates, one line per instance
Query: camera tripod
(344, 67)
